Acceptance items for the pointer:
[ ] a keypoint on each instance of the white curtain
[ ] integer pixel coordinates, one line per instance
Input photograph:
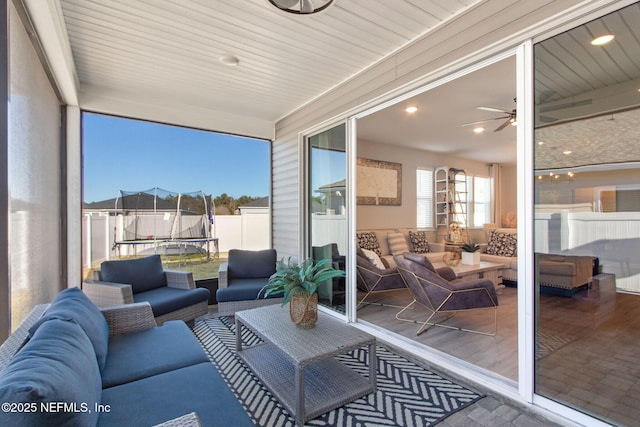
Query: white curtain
(495, 173)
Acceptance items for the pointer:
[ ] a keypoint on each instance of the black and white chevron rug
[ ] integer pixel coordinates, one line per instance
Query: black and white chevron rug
(408, 394)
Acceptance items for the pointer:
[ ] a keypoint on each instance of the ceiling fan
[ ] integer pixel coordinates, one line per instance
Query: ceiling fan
(510, 117)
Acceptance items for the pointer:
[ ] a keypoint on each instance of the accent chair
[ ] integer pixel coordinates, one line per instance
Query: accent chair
(446, 294)
(172, 294)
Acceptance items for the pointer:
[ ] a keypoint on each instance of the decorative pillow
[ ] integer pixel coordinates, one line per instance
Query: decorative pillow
(502, 244)
(419, 243)
(373, 258)
(397, 243)
(368, 240)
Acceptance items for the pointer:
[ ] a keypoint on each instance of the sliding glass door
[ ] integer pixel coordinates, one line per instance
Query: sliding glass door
(326, 208)
(587, 217)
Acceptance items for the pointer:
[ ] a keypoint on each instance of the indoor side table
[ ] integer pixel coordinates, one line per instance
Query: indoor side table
(299, 367)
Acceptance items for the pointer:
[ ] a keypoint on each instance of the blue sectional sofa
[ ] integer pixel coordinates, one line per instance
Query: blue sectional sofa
(82, 366)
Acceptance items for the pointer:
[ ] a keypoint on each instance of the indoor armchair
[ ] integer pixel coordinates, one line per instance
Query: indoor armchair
(442, 294)
(172, 294)
(374, 280)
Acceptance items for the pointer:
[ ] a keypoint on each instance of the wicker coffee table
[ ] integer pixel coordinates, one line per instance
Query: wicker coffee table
(298, 365)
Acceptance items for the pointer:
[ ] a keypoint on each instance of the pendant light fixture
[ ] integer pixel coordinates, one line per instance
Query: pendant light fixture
(301, 7)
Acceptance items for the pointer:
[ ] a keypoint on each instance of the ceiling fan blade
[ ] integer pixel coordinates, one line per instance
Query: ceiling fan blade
(495, 110)
(504, 125)
(484, 121)
(306, 6)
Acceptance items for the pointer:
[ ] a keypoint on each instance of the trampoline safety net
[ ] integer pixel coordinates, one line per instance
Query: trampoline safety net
(158, 214)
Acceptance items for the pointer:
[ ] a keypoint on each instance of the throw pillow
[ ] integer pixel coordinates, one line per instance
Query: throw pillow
(502, 244)
(368, 240)
(373, 258)
(419, 243)
(397, 243)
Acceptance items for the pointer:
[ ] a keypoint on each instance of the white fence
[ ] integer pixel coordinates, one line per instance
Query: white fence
(614, 237)
(99, 230)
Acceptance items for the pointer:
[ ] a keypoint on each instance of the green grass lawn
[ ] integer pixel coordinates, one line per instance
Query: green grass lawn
(201, 267)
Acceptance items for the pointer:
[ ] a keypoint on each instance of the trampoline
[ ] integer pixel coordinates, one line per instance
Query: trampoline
(165, 222)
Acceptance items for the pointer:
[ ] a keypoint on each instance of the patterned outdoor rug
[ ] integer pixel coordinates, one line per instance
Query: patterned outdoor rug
(408, 395)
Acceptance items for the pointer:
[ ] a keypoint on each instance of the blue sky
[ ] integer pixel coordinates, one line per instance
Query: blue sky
(131, 155)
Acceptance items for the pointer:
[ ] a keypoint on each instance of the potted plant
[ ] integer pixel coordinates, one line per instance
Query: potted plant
(298, 284)
(470, 254)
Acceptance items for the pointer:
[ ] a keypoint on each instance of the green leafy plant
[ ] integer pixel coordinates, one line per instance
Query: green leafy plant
(291, 278)
(470, 247)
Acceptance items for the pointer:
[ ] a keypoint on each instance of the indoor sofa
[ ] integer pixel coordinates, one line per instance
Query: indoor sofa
(78, 365)
(387, 243)
(502, 248)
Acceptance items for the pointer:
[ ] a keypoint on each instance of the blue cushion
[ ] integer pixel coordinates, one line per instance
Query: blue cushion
(57, 364)
(142, 274)
(243, 289)
(73, 304)
(251, 264)
(151, 352)
(165, 300)
(197, 388)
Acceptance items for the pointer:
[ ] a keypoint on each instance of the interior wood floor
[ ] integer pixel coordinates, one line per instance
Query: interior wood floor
(586, 347)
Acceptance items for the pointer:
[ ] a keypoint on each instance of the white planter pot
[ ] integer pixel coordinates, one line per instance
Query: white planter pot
(471, 258)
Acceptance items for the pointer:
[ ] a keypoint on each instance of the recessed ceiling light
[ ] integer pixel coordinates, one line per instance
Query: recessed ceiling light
(411, 109)
(229, 60)
(478, 130)
(567, 152)
(604, 39)
(540, 142)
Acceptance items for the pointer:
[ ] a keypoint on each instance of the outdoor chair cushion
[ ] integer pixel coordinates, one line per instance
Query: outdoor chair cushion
(143, 274)
(58, 364)
(73, 304)
(244, 264)
(151, 400)
(244, 289)
(165, 300)
(150, 352)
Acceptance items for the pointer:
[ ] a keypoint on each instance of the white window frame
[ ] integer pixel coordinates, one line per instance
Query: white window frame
(424, 198)
(472, 200)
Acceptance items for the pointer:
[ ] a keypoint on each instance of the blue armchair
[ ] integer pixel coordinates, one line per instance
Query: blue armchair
(172, 294)
(242, 277)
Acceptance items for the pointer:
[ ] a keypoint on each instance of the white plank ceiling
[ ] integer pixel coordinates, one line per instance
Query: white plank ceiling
(167, 52)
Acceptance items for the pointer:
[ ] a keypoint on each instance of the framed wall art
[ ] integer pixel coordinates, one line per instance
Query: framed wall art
(379, 183)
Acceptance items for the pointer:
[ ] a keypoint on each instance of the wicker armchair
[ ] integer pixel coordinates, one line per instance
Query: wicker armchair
(172, 294)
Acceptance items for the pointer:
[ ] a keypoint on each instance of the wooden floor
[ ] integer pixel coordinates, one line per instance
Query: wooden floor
(586, 349)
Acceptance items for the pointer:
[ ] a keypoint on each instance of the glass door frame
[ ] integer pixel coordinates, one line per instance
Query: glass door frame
(305, 193)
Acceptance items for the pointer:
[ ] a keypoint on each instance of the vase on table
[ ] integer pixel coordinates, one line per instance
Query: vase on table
(303, 309)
